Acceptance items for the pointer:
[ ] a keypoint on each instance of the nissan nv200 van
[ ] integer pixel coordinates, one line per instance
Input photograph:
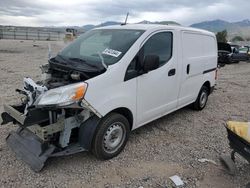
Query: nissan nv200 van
(106, 83)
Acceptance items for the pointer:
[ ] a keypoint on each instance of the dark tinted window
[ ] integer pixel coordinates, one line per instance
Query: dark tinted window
(160, 44)
(224, 47)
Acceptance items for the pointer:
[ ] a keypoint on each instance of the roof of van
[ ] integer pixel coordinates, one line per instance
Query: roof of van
(155, 27)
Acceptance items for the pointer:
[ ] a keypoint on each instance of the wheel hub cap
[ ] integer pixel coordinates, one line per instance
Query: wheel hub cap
(113, 137)
(203, 99)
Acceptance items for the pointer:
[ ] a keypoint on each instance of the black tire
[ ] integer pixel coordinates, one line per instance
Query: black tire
(115, 124)
(219, 65)
(202, 98)
(229, 164)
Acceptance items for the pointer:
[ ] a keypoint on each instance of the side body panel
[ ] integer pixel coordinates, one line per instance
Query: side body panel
(110, 92)
(199, 54)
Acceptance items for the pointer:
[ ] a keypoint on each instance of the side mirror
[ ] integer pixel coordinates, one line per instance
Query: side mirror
(151, 62)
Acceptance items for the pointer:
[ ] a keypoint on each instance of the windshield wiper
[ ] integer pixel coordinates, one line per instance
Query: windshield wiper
(102, 60)
(62, 59)
(75, 59)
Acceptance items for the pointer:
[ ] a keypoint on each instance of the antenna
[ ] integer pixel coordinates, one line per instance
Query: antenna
(125, 19)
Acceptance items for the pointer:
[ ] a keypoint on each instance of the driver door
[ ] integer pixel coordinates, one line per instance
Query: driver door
(157, 90)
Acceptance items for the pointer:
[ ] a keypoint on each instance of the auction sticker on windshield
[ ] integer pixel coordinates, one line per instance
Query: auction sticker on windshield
(111, 52)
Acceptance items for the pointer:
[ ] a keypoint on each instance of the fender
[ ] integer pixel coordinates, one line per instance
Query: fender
(87, 132)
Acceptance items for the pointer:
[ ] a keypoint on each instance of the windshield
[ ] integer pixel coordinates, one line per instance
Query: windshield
(98, 46)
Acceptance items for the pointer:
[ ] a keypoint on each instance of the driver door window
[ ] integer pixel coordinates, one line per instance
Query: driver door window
(160, 44)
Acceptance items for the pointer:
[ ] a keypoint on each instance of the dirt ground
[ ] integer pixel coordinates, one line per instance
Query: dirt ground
(169, 146)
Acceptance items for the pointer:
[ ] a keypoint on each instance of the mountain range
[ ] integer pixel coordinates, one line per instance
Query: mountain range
(109, 23)
(240, 28)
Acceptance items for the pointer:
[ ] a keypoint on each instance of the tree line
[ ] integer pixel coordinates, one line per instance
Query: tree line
(223, 37)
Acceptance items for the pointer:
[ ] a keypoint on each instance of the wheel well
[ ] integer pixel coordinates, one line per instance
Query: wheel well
(127, 113)
(207, 84)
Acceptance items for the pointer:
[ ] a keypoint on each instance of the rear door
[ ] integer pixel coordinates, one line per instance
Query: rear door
(157, 90)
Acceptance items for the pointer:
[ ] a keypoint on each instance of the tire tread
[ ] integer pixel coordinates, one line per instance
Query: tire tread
(100, 131)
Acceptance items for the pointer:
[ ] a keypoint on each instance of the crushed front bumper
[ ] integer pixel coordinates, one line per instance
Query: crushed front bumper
(31, 142)
(29, 148)
(25, 142)
(15, 114)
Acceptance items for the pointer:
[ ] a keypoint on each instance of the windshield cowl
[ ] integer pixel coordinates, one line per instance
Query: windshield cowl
(74, 65)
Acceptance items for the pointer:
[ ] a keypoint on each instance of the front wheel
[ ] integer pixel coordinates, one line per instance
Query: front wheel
(202, 98)
(111, 136)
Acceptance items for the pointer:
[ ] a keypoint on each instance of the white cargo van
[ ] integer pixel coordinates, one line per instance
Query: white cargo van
(110, 81)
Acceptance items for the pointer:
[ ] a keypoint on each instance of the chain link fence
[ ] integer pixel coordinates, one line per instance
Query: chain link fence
(26, 34)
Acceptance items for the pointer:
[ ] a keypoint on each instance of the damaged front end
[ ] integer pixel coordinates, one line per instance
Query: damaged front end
(51, 119)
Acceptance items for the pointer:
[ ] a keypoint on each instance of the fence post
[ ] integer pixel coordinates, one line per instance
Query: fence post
(1, 33)
(26, 34)
(14, 34)
(38, 35)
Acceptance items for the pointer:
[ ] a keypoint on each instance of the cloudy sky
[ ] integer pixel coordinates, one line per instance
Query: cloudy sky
(82, 12)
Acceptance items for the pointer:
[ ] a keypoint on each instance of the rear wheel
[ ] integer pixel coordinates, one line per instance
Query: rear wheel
(202, 98)
(111, 136)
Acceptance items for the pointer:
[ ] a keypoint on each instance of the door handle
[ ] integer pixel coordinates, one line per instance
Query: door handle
(188, 68)
(171, 72)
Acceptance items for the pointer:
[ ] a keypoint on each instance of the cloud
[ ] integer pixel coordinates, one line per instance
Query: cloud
(79, 12)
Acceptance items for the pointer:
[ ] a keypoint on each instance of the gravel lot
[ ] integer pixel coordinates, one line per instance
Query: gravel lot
(168, 146)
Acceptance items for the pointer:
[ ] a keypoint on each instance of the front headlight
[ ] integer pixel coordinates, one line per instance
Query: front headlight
(63, 96)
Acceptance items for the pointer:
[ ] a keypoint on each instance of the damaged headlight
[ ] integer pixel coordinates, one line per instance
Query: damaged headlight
(63, 96)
